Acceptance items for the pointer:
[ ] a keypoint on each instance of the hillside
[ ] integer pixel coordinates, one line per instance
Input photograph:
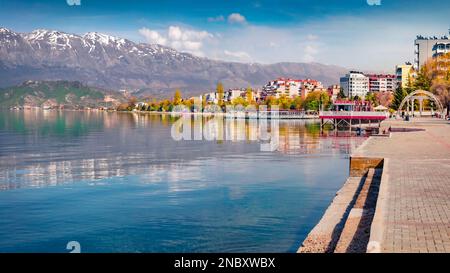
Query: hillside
(70, 95)
(114, 63)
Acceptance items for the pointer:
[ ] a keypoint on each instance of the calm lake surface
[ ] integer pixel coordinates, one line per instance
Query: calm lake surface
(119, 182)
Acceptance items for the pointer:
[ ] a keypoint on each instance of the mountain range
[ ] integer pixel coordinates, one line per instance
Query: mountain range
(105, 61)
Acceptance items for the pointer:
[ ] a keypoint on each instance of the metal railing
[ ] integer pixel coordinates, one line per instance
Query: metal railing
(352, 114)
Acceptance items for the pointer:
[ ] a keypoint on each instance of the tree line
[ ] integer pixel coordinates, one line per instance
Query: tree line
(314, 101)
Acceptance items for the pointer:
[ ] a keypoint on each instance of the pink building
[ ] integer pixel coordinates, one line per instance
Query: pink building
(382, 82)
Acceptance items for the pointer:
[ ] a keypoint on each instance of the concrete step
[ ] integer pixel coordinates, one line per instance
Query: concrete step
(356, 231)
(325, 235)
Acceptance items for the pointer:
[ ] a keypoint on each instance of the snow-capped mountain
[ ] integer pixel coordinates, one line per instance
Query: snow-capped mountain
(111, 62)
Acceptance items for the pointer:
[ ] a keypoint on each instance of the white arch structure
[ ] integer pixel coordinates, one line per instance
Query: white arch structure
(419, 95)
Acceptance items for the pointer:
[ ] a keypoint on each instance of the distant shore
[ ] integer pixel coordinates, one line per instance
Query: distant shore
(256, 115)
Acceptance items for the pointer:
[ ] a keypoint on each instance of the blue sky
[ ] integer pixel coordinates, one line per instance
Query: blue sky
(348, 33)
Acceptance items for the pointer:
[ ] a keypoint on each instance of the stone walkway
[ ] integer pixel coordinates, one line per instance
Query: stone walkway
(413, 210)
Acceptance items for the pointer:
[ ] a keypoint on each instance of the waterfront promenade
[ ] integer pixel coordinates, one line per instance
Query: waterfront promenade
(413, 208)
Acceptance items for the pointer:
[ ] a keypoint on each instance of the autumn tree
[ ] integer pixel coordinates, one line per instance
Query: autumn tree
(271, 100)
(370, 97)
(434, 76)
(249, 95)
(384, 98)
(220, 93)
(285, 102)
(239, 101)
(177, 97)
(298, 103)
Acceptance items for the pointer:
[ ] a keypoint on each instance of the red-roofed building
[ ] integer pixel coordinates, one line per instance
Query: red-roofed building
(382, 82)
(291, 87)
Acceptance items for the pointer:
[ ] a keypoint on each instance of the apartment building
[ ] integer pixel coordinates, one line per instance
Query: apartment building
(290, 87)
(354, 84)
(382, 82)
(405, 73)
(429, 47)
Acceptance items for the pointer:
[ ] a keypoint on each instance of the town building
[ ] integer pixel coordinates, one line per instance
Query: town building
(429, 47)
(405, 74)
(382, 83)
(210, 97)
(355, 84)
(235, 93)
(333, 91)
(290, 87)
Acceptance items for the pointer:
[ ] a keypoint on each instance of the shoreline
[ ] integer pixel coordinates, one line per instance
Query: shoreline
(226, 115)
(174, 114)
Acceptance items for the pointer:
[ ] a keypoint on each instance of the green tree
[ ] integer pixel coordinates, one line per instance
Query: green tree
(317, 100)
(423, 80)
(324, 100)
(409, 85)
(399, 94)
(341, 94)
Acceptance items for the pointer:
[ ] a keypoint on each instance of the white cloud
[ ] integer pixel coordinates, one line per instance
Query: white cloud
(238, 55)
(236, 18)
(184, 40)
(346, 41)
(152, 36)
(193, 46)
(219, 18)
(175, 33)
(309, 53)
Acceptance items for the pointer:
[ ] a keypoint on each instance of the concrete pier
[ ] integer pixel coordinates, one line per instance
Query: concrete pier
(412, 212)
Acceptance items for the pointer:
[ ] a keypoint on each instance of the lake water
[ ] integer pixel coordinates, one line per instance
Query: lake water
(119, 182)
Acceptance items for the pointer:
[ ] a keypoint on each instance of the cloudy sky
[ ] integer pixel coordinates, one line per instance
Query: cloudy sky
(372, 35)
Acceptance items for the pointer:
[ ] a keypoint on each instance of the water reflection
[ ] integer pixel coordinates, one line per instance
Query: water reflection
(128, 186)
(47, 148)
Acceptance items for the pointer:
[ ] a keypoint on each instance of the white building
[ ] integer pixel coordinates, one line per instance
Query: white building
(232, 94)
(355, 84)
(211, 97)
(290, 87)
(429, 47)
